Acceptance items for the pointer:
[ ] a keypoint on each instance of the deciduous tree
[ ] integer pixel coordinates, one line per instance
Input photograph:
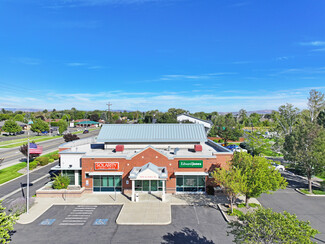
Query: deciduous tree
(226, 128)
(256, 143)
(63, 126)
(305, 146)
(260, 176)
(232, 182)
(315, 103)
(7, 222)
(11, 127)
(39, 126)
(70, 137)
(266, 226)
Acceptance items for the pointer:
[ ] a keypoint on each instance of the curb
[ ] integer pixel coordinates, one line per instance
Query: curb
(223, 214)
(31, 171)
(308, 195)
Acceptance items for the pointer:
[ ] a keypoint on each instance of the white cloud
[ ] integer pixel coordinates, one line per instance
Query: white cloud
(190, 100)
(313, 43)
(76, 64)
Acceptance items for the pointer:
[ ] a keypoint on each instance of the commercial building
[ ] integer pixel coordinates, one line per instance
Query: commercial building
(130, 158)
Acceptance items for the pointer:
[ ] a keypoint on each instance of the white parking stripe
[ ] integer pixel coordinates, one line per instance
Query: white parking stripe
(74, 221)
(72, 224)
(77, 218)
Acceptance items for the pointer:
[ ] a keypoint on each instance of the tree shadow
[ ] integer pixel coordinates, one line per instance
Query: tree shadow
(186, 235)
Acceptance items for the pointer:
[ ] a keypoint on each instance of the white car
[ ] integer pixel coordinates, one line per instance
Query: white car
(279, 167)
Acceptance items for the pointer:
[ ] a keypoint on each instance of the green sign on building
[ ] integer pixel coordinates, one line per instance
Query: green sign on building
(190, 164)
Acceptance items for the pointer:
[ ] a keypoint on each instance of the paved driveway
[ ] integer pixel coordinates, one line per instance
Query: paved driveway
(74, 224)
(306, 208)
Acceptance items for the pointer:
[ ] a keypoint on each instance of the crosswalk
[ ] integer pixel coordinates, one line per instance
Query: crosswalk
(79, 215)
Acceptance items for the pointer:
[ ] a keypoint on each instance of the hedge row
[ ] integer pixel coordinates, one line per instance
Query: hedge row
(44, 160)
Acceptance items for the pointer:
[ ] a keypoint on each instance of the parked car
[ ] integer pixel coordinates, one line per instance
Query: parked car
(85, 132)
(236, 148)
(279, 167)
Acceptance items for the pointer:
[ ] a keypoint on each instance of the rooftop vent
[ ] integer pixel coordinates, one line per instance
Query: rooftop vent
(176, 150)
(119, 148)
(198, 148)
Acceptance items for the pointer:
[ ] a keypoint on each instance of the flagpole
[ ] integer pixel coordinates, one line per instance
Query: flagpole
(27, 197)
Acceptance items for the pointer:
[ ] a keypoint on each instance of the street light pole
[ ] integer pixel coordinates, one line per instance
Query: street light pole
(27, 194)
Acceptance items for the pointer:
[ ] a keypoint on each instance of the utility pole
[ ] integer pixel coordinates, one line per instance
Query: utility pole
(109, 112)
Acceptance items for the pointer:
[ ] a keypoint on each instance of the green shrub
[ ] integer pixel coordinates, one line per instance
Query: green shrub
(60, 181)
(33, 165)
(55, 156)
(51, 160)
(253, 205)
(241, 205)
(236, 212)
(42, 160)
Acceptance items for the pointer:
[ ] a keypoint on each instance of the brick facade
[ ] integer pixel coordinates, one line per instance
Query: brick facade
(160, 160)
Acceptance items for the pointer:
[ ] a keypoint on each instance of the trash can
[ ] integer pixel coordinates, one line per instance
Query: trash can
(137, 197)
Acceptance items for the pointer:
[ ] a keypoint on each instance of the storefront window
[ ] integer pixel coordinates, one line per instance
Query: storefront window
(70, 174)
(107, 183)
(148, 185)
(190, 183)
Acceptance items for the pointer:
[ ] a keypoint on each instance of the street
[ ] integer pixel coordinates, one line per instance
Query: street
(12, 154)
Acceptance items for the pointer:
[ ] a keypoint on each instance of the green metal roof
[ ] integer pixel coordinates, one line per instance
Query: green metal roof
(87, 123)
(119, 133)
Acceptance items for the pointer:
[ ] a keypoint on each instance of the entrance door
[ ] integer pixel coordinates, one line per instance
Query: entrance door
(145, 185)
(154, 186)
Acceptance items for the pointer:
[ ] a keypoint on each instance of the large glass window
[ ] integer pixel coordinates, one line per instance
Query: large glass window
(190, 183)
(107, 183)
(148, 185)
(70, 174)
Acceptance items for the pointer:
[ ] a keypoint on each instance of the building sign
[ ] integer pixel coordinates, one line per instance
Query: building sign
(106, 166)
(190, 164)
(148, 177)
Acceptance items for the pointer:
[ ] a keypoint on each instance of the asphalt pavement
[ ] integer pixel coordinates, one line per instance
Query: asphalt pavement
(306, 208)
(96, 224)
(12, 154)
(19, 185)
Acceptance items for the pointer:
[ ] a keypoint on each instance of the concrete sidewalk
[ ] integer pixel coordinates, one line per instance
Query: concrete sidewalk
(150, 210)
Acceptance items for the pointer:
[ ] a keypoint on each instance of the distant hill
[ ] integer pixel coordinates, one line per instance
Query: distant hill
(23, 109)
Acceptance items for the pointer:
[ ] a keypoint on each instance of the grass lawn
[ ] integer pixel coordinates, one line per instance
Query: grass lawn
(11, 172)
(321, 176)
(20, 142)
(316, 192)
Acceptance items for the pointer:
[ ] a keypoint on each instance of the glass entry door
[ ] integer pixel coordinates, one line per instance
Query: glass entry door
(153, 186)
(145, 185)
(148, 185)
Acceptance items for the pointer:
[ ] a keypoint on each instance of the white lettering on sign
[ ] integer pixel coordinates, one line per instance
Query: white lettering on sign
(147, 177)
(106, 165)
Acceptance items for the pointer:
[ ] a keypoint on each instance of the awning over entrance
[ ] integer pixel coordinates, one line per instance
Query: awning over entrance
(148, 171)
(105, 173)
(191, 173)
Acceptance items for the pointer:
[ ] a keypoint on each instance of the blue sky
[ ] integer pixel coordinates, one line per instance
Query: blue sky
(200, 55)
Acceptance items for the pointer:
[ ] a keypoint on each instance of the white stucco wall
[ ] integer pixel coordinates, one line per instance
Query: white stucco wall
(71, 159)
(183, 117)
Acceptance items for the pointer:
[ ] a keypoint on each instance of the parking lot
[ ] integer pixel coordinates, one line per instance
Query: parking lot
(306, 208)
(96, 224)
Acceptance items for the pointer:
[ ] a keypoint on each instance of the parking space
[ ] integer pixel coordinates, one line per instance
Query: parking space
(96, 224)
(306, 208)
